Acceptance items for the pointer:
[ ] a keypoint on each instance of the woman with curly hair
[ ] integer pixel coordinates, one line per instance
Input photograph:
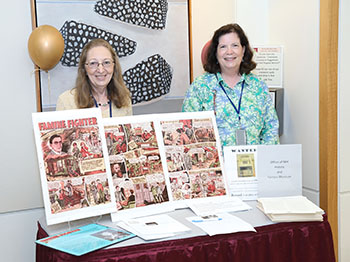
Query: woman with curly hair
(241, 102)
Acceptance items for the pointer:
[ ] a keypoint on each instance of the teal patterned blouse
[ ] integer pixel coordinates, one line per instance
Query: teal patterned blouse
(257, 113)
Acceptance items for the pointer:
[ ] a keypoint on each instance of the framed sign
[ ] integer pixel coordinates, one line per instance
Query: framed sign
(151, 38)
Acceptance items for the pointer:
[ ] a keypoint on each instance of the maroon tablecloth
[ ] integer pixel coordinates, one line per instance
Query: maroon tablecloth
(283, 242)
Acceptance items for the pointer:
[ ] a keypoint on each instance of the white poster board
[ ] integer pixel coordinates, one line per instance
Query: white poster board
(164, 160)
(263, 170)
(280, 170)
(72, 155)
(145, 164)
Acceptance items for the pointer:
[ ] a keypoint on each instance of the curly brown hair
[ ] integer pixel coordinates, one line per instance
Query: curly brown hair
(118, 93)
(211, 64)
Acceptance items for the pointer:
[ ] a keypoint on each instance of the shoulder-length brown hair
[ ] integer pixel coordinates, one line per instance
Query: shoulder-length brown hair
(118, 93)
(211, 64)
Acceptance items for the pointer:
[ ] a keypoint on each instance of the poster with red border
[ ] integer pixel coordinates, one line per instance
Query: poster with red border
(73, 157)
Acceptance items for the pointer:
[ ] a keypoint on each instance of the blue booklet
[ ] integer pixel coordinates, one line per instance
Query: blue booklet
(85, 239)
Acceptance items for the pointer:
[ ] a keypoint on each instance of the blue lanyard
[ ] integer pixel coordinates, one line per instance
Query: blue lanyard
(240, 98)
(110, 105)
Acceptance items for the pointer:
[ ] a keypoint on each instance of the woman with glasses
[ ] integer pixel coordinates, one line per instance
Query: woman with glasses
(241, 102)
(99, 82)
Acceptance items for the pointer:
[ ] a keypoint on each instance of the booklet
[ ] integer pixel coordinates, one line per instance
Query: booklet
(85, 239)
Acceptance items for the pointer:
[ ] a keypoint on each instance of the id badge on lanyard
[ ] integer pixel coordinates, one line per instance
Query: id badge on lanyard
(241, 135)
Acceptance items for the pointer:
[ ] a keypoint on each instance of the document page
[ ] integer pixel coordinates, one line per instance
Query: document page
(221, 224)
(154, 227)
(215, 205)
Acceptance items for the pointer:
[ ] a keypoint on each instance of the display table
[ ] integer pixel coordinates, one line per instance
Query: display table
(280, 242)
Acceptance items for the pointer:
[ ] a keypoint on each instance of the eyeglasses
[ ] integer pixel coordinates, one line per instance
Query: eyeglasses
(93, 64)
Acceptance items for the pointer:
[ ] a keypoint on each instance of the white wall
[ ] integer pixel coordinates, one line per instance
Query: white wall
(276, 22)
(18, 158)
(18, 233)
(344, 131)
(207, 16)
(297, 29)
(19, 171)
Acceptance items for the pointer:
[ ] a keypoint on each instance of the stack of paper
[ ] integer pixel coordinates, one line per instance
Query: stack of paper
(154, 227)
(290, 209)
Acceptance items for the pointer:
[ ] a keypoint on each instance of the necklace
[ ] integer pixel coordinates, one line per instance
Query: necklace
(105, 104)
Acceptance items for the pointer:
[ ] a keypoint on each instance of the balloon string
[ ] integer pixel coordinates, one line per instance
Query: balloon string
(36, 69)
(48, 82)
(49, 86)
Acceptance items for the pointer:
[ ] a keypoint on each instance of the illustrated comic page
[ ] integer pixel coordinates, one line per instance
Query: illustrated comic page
(192, 158)
(72, 158)
(135, 163)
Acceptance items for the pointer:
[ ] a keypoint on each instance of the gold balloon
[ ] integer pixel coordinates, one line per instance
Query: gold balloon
(45, 46)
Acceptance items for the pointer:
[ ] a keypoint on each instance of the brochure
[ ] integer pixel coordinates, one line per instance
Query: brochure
(85, 239)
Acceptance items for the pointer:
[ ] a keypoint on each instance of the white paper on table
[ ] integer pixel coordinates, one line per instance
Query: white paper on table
(224, 223)
(154, 227)
(143, 236)
(215, 205)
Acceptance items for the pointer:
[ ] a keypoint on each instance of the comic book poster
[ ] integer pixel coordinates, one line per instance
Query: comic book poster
(73, 157)
(136, 166)
(193, 153)
(160, 158)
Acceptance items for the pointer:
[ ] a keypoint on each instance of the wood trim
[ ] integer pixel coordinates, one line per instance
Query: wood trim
(190, 38)
(36, 68)
(328, 113)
